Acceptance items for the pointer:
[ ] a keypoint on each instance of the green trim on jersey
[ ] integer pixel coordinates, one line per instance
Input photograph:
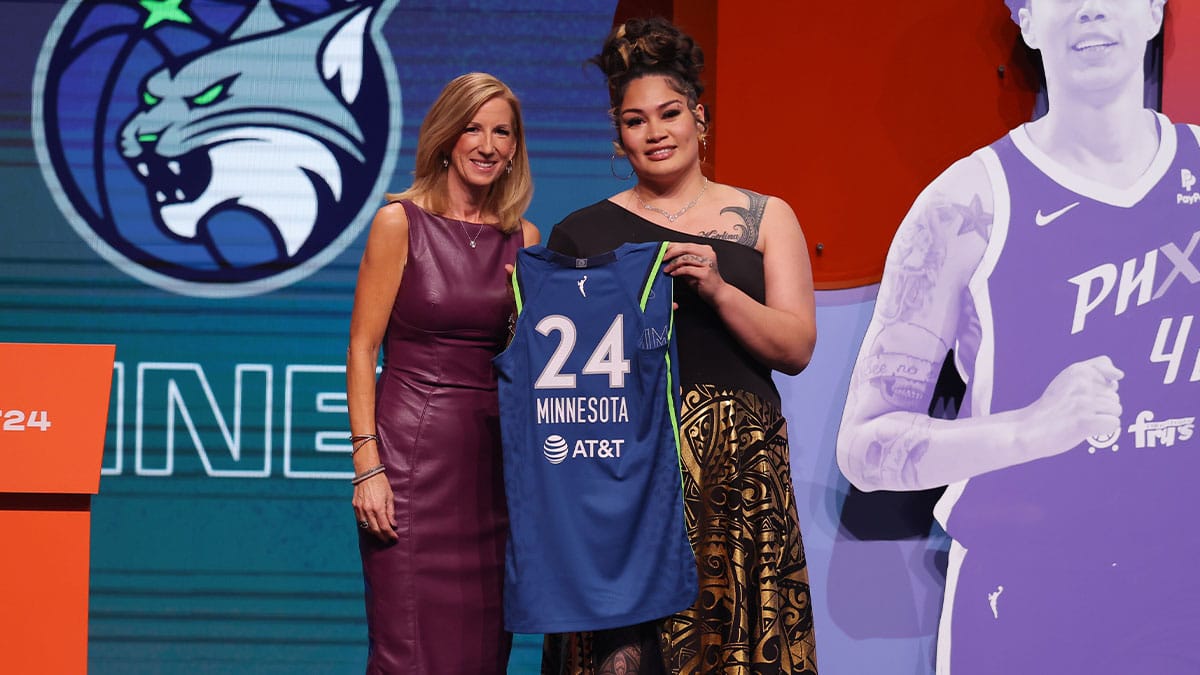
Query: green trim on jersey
(649, 280)
(516, 286)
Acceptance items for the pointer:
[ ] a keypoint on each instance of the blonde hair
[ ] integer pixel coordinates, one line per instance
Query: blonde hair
(449, 115)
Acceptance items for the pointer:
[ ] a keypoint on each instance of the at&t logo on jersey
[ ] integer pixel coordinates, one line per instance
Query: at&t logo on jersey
(557, 449)
(1187, 180)
(217, 149)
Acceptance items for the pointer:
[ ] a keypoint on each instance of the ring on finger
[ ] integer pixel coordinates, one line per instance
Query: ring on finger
(363, 524)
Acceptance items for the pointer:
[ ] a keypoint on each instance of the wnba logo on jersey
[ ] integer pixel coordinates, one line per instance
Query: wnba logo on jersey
(217, 149)
(556, 448)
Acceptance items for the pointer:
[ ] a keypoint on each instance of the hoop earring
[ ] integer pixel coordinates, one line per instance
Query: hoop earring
(612, 167)
(508, 169)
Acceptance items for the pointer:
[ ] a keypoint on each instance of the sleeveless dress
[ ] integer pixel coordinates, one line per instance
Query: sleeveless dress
(1083, 562)
(753, 614)
(434, 597)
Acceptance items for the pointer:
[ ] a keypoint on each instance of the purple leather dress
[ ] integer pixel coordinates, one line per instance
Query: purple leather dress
(433, 598)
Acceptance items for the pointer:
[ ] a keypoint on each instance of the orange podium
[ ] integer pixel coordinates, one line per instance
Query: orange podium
(53, 411)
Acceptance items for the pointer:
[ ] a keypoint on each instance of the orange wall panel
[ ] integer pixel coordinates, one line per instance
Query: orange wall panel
(848, 113)
(44, 590)
(1181, 62)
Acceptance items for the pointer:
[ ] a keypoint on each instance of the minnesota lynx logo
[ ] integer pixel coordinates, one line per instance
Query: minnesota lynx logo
(213, 148)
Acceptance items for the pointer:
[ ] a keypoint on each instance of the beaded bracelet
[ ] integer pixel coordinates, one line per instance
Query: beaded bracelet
(373, 471)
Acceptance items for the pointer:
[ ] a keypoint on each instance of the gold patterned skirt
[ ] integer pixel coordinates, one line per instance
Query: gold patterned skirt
(753, 613)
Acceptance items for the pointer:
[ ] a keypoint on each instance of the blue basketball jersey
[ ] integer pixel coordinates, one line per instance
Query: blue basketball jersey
(589, 403)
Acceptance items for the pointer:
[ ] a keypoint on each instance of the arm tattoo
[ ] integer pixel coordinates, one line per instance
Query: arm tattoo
(903, 379)
(894, 455)
(751, 215)
(918, 255)
(914, 264)
(975, 219)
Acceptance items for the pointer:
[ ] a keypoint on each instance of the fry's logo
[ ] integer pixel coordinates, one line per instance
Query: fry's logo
(1102, 441)
(1147, 433)
(1150, 434)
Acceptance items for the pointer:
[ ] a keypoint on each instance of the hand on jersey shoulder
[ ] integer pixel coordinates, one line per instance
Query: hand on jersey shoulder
(696, 265)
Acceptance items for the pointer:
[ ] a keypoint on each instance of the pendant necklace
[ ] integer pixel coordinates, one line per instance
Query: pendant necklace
(470, 239)
(672, 217)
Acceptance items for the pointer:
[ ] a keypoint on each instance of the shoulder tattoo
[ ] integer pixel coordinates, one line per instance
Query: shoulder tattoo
(745, 232)
(918, 255)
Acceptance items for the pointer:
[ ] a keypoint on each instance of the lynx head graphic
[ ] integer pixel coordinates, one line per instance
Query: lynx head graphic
(237, 128)
(242, 165)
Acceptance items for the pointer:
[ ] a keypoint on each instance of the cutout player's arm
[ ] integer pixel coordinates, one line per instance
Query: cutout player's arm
(887, 439)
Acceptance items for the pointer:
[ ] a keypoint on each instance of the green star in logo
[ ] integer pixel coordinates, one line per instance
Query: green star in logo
(164, 10)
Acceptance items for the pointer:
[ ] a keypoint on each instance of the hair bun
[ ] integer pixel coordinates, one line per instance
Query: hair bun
(652, 46)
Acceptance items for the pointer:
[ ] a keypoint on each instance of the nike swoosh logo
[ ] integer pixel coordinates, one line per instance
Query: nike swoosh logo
(1043, 220)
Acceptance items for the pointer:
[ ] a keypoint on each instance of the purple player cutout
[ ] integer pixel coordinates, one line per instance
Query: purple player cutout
(1060, 266)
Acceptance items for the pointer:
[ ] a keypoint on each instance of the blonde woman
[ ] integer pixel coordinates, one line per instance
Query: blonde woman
(428, 492)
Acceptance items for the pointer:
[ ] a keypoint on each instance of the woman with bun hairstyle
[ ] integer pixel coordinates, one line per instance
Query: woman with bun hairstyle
(746, 307)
